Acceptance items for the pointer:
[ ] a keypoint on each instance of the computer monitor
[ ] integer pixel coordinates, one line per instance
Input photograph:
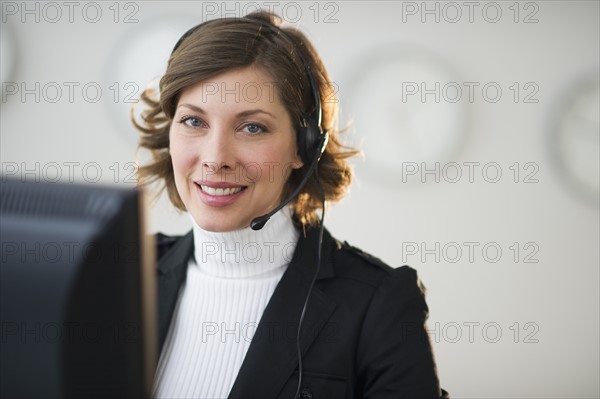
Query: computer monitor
(77, 292)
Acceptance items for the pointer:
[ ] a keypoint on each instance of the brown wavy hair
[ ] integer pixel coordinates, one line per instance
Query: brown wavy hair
(220, 45)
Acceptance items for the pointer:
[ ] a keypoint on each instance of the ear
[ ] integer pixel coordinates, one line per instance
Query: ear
(297, 162)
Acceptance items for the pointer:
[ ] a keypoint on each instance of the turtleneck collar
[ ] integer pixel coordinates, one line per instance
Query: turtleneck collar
(246, 253)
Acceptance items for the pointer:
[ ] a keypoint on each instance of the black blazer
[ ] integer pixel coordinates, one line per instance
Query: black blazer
(363, 335)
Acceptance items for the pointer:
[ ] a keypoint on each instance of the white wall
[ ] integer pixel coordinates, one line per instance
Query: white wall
(558, 296)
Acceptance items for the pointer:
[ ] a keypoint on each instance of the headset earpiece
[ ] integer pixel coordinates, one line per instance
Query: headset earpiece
(309, 138)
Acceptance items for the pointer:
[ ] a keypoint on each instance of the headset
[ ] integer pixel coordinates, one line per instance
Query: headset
(312, 141)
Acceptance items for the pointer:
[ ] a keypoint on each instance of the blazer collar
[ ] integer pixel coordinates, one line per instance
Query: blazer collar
(305, 253)
(178, 255)
(172, 270)
(272, 356)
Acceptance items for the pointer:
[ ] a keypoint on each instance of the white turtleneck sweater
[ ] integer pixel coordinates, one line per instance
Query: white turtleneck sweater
(229, 283)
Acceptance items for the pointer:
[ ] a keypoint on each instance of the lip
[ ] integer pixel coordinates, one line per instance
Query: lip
(221, 200)
(218, 184)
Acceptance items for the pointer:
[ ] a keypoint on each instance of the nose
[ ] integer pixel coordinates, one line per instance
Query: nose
(218, 152)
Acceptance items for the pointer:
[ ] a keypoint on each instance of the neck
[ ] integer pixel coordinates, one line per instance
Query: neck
(246, 253)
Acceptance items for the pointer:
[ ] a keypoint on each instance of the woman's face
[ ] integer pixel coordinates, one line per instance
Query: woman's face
(233, 147)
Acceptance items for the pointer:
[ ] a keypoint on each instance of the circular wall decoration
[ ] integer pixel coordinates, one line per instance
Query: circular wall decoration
(407, 108)
(575, 137)
(138, 61)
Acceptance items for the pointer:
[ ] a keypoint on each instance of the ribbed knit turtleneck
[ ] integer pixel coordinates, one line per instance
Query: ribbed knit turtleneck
(229, 283)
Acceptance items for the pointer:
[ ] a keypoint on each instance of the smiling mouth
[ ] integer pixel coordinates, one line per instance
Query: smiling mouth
(221, 192)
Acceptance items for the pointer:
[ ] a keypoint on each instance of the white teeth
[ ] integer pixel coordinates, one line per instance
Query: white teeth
(219, 192)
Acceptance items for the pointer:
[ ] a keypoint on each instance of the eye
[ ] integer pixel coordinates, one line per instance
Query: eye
(255, 128)
(191, 121)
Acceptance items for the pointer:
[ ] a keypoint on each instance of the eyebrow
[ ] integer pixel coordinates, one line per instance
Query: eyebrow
(243, 113)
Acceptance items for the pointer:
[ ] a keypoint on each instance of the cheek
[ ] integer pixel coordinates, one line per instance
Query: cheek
(182, 156)
(275, 164)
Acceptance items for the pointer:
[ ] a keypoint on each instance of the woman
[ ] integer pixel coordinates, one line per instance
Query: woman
(244, 115)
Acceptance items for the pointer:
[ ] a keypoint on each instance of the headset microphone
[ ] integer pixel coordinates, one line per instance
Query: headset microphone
(312, 137)
(259, 222)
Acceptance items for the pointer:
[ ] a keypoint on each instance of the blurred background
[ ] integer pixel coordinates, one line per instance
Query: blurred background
(479, 123)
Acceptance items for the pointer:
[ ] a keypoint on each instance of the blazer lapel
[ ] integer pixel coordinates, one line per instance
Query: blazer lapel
(172, 269)
(272, 356)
